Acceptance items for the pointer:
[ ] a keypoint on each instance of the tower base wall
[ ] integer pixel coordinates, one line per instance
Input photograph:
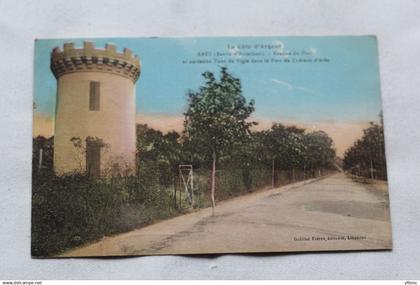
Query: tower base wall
(113, 124)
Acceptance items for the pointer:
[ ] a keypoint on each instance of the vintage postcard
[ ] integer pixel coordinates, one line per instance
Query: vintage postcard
(151, 146)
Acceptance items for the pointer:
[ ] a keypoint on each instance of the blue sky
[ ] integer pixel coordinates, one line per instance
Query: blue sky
(346, 88)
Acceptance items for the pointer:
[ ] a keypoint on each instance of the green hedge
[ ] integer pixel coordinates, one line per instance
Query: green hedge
(70, 210)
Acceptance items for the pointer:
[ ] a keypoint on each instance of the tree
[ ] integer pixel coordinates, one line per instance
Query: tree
(290, 148)
(319, 151)
(42, 154)
(216, 118)
(284, 147)
(367, 155)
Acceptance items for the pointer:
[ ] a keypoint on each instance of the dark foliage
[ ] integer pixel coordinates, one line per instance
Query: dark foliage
(70, 210)
(367, 156)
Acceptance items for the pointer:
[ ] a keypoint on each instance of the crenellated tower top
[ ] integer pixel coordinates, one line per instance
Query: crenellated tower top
(89, 58)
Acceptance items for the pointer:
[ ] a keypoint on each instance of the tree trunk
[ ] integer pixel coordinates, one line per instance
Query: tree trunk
(371, 169)
(272, 175)
(213, 181)
(192, 188)
(174, 182)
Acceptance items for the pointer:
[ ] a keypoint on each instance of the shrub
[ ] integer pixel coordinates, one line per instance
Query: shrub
(70, 210)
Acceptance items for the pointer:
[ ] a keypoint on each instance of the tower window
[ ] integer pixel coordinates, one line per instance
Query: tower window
(94, 96)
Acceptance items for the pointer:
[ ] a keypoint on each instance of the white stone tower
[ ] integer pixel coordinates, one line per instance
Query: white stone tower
(95, 109)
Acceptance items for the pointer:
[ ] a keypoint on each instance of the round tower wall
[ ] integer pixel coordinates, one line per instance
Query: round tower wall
(113, 123)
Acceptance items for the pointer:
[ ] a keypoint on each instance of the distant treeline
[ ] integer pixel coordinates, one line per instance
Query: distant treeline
(281, 148)
(367, 155)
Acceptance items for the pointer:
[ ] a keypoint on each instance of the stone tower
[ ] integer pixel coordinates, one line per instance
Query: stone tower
(95, 109)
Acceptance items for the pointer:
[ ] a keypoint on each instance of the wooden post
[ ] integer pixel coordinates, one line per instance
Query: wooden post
(192, 187)
(272, 174)
(213, 182)
(371, 169)
(175, 194)
(180, 191)
(180, 198)
(41, 152)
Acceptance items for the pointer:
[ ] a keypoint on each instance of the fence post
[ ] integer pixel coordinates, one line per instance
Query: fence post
(192, 187)
(175, 194)
(272, 175)
(41, 152)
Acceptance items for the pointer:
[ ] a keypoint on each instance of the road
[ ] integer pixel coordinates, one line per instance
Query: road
(332, 213)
